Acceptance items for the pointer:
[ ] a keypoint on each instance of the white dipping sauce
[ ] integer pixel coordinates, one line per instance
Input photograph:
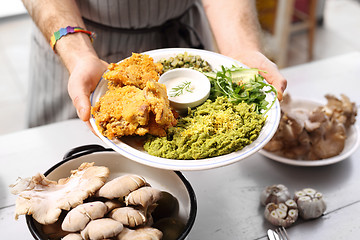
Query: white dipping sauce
(195, 88)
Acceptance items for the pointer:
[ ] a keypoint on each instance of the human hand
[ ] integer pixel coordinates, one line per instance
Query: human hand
(271, 73)
(82, 81)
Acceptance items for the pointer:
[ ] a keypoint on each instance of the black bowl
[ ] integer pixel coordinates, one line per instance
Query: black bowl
(171, 181)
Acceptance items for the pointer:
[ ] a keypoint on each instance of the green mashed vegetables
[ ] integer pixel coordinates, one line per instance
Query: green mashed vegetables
(214, 128)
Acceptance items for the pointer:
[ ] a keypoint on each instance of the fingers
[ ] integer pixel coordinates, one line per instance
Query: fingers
(274, 77)
(82, 82)
(270, 71)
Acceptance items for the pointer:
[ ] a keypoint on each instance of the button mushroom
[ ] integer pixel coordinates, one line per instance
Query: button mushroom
(121, 186)
(146, 233)
(128, 216)
(45, 199)
(275, 194)
(310, 203)
(101, 229)
(282, 214)
(79, 216)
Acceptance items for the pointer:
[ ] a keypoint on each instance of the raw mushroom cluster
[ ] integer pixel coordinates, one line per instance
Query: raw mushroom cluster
(87, 206)
(313, 134)
(282, 210)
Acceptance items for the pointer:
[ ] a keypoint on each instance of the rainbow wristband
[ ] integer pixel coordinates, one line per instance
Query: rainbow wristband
(65, 31)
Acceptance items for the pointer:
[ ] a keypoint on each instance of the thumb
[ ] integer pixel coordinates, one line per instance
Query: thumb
(79, 92)
(82, 105)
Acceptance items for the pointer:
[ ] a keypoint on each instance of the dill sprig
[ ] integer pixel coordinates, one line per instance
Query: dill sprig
(179, 89)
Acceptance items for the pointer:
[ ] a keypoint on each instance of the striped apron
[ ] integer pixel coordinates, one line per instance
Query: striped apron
(122, 27)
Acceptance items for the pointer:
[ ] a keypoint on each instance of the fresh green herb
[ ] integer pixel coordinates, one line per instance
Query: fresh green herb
(179, 89)
(241, 85)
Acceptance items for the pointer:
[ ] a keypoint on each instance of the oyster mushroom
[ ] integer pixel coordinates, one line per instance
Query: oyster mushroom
(282, 214)
(73, 236)
(44, 199)
(121, 186)
(313, 134)
(343, 110)
(145, 233)
(171, 228)
(275, 194)
(144, 196)
(101, 229)
(79, 216)
(128, 216)
(328, 140)
(310, 203)
(113, 203)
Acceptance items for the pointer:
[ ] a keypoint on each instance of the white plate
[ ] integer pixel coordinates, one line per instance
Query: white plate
(132, 147)
(351, 143)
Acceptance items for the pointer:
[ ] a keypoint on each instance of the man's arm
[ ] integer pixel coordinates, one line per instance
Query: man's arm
(75, 50)
(234, 24)
(237, 33)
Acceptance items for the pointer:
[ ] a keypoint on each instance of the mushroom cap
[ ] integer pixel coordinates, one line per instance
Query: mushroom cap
(128, 216)
(45, 199)
(328, 140)
(144, 197)
(121, 186)
(78, 217)
(113, 203)
(101, 229)
(343, 110)
(73, 236)
(145, 233)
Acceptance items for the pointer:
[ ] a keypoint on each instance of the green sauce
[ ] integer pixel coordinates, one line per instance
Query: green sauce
(210, 130)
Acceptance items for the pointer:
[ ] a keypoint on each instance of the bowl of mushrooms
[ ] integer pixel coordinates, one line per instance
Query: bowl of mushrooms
(95, 193)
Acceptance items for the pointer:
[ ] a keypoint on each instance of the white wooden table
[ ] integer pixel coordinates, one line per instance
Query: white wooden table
(228, 197)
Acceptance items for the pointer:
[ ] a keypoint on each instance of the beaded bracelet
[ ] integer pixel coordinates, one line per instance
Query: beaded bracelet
(64, 31)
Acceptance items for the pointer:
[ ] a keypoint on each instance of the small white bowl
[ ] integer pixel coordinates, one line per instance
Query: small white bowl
(199, 87)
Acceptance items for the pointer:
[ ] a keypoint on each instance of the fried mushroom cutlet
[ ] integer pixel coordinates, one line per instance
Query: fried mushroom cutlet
(156, 95)
(133, 71)
(135, 103)
(121, 112)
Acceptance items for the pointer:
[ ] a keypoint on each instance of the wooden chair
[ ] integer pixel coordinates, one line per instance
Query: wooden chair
(284, 25)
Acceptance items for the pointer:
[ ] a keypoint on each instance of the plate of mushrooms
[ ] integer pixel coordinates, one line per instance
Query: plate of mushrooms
(314, 134)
